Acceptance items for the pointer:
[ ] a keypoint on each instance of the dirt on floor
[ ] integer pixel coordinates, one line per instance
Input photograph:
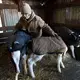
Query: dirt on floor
(45, 70)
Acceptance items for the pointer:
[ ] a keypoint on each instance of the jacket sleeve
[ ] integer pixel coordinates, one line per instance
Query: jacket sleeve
(46, 28)
(19, 24)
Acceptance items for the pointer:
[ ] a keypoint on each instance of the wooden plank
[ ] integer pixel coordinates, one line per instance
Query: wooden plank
(7, 28)
(7, 39)
(6, 34)
(8, 6)
(1, 43)
(64, 5)
(3, 39)
(13, 6)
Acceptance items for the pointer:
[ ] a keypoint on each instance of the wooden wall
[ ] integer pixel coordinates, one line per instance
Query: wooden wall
(8, 14)
(65, 13)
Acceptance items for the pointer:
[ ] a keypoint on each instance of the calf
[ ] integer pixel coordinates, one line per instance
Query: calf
(46, 45)
(18, 49)
(71, 38)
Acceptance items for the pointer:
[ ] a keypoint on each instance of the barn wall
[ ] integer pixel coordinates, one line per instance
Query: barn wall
(65, 13)
(69, 15)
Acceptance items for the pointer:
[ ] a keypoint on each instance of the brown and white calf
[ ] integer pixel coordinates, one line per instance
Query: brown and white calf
(47, 45)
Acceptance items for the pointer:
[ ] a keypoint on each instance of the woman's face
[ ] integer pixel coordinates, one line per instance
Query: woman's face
(26, 10)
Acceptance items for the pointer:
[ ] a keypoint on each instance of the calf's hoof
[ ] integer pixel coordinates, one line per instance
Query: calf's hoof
(59, 71)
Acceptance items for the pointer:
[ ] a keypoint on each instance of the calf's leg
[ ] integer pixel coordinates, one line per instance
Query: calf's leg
(59, 62)
(24, 59)
(16, 59)
(59, 59)
(72, 51)
(31, 61)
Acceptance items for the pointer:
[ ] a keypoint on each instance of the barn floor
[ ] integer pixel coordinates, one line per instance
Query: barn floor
(46, 69)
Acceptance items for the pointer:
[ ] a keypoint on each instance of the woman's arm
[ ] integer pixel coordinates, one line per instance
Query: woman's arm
(20, 23)
(49, 30)
(46, 28)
